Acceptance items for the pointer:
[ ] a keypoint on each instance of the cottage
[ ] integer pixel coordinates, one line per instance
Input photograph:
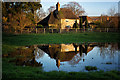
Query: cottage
(60, 18)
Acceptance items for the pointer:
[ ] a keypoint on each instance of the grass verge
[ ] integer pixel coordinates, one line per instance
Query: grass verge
(56, 38)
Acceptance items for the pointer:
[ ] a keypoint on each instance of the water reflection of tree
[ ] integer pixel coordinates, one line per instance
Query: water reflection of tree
(24, 56)
(108, 50)
(75, 60)
(83, 49)
(38, 53)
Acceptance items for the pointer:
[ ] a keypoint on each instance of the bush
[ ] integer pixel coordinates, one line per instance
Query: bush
(75, 25)
(89, 68)
(39, 26)
(51, 26)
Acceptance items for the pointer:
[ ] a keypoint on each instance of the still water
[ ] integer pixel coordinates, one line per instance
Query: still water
(70, 57)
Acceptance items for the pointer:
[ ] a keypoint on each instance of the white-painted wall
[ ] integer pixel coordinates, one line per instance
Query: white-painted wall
(68, 22)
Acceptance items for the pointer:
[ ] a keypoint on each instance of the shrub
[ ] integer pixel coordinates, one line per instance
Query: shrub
(89, 68)
(39, 26)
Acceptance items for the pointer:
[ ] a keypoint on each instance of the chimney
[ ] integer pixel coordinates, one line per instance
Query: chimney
(58, 6)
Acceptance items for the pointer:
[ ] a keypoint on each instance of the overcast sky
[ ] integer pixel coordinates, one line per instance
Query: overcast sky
(91, 7)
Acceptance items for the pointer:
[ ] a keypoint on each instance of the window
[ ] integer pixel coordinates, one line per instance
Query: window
(67, 21)
(68, 26)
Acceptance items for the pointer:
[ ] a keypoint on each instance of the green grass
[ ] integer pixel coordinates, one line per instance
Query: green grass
(8, 48)
(11, 71)
(11, 42)
(56, 38)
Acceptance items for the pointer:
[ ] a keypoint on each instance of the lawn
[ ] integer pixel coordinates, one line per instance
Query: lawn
(12, 42)
(56, 38)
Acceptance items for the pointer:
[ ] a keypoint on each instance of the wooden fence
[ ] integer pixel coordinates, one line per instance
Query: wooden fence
(72, 30)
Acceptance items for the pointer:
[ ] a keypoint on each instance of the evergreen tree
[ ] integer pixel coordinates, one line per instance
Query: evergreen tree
(81, 23)
(10, 10)
(13, 8)
(75, 25)
(86, 23)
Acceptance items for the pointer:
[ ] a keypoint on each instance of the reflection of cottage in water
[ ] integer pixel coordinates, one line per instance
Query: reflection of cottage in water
(66, 52)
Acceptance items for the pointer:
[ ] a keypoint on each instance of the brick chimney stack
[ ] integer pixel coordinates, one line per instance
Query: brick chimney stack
(58, 6)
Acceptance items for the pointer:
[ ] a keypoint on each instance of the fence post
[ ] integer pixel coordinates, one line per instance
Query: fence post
(107, 29)
(60, 30)
(44, 30)
(36, 30)
(28, 30)
(68, 30)
(52, 30)
(100, 29)
(80, 29)
(76, 30)
(21, 31)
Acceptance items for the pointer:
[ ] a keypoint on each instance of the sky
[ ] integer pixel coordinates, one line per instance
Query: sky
(91, 7)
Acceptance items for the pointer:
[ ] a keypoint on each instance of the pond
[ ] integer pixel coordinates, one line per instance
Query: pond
(69, 57)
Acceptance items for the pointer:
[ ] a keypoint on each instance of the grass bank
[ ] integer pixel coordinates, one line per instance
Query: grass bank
(56, 38)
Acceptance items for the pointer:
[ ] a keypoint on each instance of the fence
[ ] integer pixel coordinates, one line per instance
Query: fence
(74, 30)
(71, 30)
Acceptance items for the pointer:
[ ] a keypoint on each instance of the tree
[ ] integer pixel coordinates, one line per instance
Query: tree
(39, 15)
(75, 7)
(19, 13)
(75, 25)
(112, 11)
(19, 21)
(114, 19)
(51, 9)
(32, 7)
(15, 7)
(86, 23)
(114, 22)
(81, 23)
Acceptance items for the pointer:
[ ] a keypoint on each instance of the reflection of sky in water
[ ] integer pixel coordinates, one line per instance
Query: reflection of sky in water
(48, 63)
(99, 61)
(93, 58)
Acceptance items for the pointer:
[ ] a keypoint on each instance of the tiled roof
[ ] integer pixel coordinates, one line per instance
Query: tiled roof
(55, 16)
(68, 14)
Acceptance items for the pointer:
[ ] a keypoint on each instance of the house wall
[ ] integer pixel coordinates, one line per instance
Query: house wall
(68, 48)
(68, 22)
(53, 25)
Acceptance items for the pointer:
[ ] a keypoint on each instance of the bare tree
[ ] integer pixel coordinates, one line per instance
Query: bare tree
(114, 18)
(51, 9)
(75, 7)
(112, 11)
(39, 15)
